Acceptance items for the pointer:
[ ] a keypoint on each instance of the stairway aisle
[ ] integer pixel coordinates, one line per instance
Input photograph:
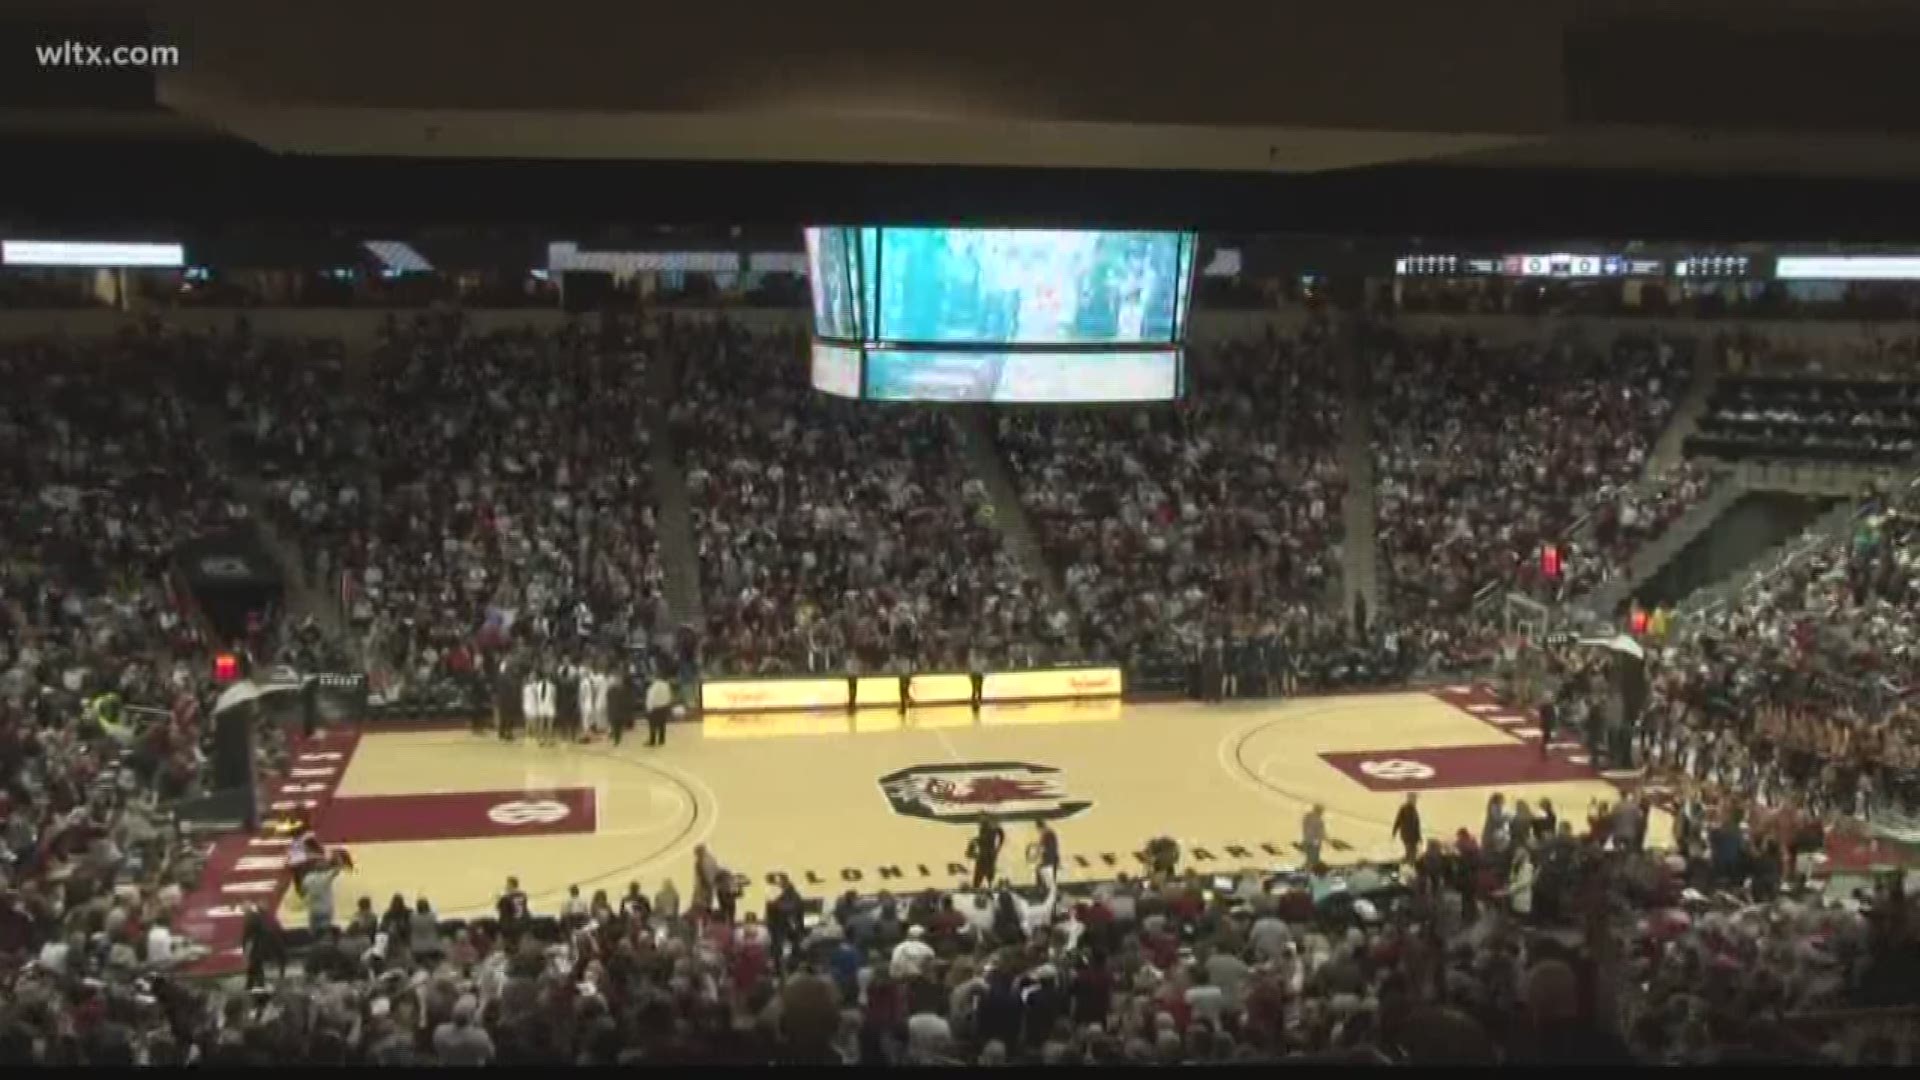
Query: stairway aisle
(1668, 452)
(673, 511)
(1361, 562)
(1833, 527)
(305, 596)
(1670, 448)
(1009, 514)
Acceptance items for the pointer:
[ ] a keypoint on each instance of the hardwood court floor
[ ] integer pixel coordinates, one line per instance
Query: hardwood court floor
(877, 801)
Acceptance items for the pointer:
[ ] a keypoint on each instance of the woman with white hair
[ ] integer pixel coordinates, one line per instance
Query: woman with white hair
(706, 878)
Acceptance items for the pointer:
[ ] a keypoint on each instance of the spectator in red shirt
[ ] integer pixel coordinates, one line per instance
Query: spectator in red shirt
(1162, 948)
(1185, 902)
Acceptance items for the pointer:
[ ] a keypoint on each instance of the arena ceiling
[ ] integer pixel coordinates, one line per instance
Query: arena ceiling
(1776, 90)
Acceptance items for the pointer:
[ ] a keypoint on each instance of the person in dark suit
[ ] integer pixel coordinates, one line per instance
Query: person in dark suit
(513, 911)
(1212, 659)
(620, 707)
(512, 703)
(264, 943)
(489, 672)
(984, 850)
(566, 697)
(787, 923)
(1046, 872)
(1406, 826)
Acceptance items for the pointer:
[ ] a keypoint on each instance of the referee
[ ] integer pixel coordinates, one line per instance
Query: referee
(659, 703)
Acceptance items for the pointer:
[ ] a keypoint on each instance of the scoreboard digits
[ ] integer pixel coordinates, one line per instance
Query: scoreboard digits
(1579, 266)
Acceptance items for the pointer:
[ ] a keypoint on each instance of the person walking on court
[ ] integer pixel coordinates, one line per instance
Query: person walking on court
(1046, 857)
(512, 910)
(984, 850)
(1406, 825)
(706, 878)
(659, 703)
(1313, 833)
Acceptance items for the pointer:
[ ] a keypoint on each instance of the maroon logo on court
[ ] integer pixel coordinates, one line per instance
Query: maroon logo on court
(1008, 790)
(1431, 768)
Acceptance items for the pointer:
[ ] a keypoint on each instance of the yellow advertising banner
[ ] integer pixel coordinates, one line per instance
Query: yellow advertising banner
(761, 695)
(877, 690)
(1095, 682)
(940, 690)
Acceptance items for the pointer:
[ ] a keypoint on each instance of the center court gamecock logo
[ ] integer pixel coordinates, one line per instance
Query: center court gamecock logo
(1397, 769)
(1009, 790)
(521, 812)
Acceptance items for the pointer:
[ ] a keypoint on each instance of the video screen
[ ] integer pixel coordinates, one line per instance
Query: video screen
(833, 273)
(1031, 286)
(1022, 378)
(836, 370)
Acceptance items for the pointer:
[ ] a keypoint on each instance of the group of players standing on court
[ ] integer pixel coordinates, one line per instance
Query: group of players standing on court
(575, 702)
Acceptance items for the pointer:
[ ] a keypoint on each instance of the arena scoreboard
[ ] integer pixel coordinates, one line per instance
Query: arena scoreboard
(1563, 264)
(1583, 266)
(1004, 316)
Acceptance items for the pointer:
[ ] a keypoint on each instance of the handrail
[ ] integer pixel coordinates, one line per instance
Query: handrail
(1485, 594)
(1823, 534)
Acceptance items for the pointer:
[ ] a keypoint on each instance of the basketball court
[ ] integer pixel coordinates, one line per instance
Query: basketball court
(877, 800)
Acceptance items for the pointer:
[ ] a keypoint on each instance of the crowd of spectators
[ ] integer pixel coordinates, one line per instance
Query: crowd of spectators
(837, 535)
(1628, 517)
(102, 689)
(291, 419)
(1533, 942)
(1872, 354)
(481, 488)
(1852, 420)
(1216, 519)
(1801, 689)
(1484, 452)
(475, 489)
